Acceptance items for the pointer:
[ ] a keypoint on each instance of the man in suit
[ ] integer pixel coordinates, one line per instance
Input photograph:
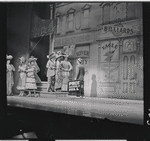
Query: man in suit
(51, 71)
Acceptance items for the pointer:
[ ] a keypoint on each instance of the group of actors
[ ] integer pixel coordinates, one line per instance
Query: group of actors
(27, 75)
(58, 72)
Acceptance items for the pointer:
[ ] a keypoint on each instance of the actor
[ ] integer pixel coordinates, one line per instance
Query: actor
(22, 76)
(9, 75)
(51, 71)
(30, 79)
(65, 67)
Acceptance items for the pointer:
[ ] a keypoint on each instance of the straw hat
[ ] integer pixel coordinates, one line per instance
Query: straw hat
(31, 60)
(52, 55)
(65, 55)
(9, 57)
(22, 59)
(58, 54)
(35, 59)
(79, 59)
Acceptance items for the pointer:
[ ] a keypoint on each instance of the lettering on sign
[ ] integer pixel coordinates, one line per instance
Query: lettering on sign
(110, 51)
(80, 53)
(117, 29)
(74, 40)
(74, 86)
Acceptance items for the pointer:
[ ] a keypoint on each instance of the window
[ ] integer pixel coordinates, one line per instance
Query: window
(131, 10)
(70, 24)
(132, 67)
(70, 21)
(86, 16)
(113, 11)
(106, 15)
(134, 10)
(86, 19)
(58, 17)
(125, 68)
(58, 25)
(120, 11)
(64, 24)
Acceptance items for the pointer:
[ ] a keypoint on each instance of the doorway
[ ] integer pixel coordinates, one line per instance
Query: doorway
(128, 73)
(40, 52)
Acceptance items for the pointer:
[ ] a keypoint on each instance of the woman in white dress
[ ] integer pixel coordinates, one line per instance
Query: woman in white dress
(58, 76)
(9, 75)
(65, 67)
(30, 80)
(22, 76)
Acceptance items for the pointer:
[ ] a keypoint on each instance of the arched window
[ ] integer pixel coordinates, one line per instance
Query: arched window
(58, 17)
(132, 67)
(125, 68)
(86, 16)
(64, 23)
(70, 24)
(106, 15)
(70, 21)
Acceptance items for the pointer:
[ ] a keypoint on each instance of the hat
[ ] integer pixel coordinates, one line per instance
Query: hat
(22, 59)
(79, 59)
(52, 55)
(65, 55)
(9, 57)
(31, 59)
(35, 59)
(58, 54)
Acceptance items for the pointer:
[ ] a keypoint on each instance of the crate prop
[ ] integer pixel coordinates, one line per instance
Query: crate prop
(76, 88)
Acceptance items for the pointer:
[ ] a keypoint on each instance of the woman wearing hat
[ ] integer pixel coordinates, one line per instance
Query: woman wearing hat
(9, 72)
(51, 71)
(22, 75)
(37, 69)
(58, 76)
(30, 79)
(65, 67)
(80, 71)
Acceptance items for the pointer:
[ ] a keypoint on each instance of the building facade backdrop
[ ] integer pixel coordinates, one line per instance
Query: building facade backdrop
(109, 39)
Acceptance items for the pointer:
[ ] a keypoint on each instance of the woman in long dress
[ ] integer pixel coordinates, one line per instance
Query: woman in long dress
(22, 76)
(80, 72)
(58, 76)
(30, 78)
(65, 67)
(51, 71)
(9, 75)
(37, 69)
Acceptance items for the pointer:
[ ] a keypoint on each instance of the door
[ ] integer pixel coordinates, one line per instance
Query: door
(85, 62)
(128, 73)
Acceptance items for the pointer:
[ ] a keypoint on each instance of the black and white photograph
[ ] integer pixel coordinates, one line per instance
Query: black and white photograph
(74, 71)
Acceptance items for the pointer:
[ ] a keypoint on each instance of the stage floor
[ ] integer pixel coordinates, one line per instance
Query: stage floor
(129, 111)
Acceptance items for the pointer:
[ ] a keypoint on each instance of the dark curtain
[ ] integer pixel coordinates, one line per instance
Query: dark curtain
(41, 50)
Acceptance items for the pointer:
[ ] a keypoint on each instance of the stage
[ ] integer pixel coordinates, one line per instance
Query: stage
(127, 111)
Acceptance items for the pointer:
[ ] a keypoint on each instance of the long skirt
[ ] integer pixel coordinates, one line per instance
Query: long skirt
(58, 80)
(22, 81)
(51, 81)
(30, 83)
(65, 81)
(10, 83)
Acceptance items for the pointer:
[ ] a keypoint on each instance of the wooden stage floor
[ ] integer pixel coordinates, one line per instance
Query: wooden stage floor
(128, 111)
